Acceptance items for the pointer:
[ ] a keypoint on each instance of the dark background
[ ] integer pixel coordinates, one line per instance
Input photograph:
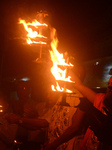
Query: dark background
(84, 30)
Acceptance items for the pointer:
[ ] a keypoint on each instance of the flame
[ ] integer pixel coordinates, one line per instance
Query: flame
(58, 60)
(33, 34)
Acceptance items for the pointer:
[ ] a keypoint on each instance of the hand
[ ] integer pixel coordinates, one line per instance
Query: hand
(74, 78)
(12, 118)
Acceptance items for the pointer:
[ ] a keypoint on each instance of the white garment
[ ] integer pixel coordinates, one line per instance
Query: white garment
(60, 118)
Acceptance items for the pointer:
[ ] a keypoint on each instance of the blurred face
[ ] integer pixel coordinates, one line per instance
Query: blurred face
(46, 94)
(109, 88)
(108, 97)
(52, 97)
(23, 90)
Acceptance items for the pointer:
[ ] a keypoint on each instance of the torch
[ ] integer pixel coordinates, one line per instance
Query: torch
(60, 66)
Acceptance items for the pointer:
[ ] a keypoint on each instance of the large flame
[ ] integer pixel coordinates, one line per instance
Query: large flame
(58, 61)
(33, 35)
(56, 57)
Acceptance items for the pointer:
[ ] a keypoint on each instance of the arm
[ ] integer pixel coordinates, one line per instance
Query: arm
(33, 124)
(5, 139)
(86, 92)
(70, 132)
(27, 122)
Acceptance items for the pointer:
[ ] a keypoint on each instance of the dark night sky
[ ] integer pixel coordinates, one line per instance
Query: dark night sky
(84, 29)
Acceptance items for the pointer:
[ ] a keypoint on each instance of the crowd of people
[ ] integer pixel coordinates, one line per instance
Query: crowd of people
(44, 123)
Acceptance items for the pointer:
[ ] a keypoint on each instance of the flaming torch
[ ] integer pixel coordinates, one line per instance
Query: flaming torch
(60, 65)
(34, 31)
(32, 35)
(58, 60)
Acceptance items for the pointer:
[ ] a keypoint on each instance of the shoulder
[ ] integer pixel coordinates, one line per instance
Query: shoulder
(99, 99)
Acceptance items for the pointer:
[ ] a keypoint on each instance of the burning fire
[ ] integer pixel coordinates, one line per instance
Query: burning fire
(33, 35)
(56, 57)
(58, 61)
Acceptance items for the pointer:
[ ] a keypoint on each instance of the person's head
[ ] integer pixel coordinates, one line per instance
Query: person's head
(108, 96)
(23, 89)
(109, 88)
(42, 79)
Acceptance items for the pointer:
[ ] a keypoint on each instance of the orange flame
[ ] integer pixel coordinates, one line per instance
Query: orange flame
(33, 34)
(56, 57)
(58, 60)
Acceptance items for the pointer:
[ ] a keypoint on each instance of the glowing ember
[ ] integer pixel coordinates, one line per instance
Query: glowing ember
(1, 110)
(58, 60)
(33, 35)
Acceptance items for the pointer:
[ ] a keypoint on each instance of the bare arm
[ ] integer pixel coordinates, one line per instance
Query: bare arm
(33, 123)
(70, 132)
(5, 139)
(86, 92)
(27, 122)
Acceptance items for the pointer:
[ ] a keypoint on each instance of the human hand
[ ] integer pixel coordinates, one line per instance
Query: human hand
(13, 118)
(75, 80)
(75, 77)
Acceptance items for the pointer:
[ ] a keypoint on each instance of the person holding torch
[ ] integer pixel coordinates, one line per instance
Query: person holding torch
(97, 106)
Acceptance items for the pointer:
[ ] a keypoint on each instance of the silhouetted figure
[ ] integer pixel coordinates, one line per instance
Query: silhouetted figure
(27, 137)
(7, 131)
